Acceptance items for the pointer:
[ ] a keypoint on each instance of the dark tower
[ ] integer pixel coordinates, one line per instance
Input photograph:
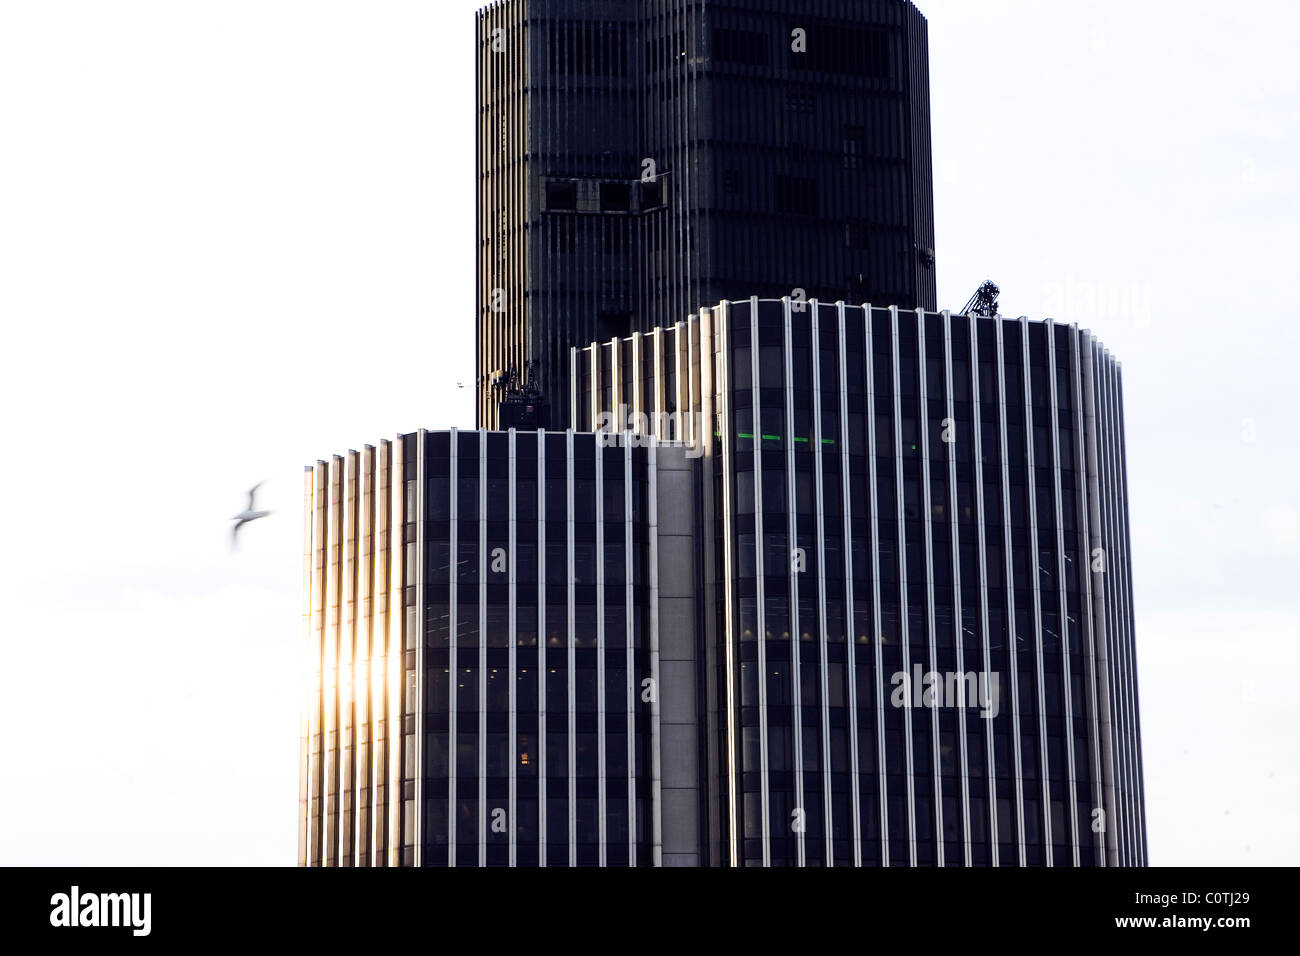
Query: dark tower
(639, 160)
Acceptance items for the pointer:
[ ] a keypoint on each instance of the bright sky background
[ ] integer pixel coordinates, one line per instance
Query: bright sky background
(237, 236)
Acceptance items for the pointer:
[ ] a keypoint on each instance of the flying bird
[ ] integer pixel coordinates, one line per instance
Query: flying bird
(248, 514)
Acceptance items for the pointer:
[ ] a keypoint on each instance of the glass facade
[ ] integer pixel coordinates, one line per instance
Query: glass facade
(920, 539)
(507, 711)
(639, 160)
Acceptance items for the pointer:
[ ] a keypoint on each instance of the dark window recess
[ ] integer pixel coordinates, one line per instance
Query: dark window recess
(615, 197)
(588, 49)
(855, 147)
(731, 181)
(796, 195)
(561, 195)
(799, 103)
(837, 48)
(613, 324)
(857, 234)
(652, 194)
(616, 238)
(746, 47)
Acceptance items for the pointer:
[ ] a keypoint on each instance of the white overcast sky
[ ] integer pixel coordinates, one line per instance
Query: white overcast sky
(237, 236)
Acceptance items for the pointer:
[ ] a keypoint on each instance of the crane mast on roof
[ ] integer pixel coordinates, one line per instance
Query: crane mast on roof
(984, 302)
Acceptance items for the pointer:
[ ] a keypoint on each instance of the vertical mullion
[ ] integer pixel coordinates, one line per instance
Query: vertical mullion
(513, 663)
(421, 475)
(365, 655)
(958, 616)
(453, 625)
(882, 786)
(385, 758)
(761, 634)
(572, 656)
(329, 801)
(1009, 587)
(927, 533)
(543, 789)
(819, 505)
(792, 575)
(1063, 603)
(482, 647)
(903, 616)
(730, 622)
(600, 655)
(658, 424)
(1084, 572)
(347, 657)
(1035, 590)
(977, 420)
(848, 611)
(396, 646)
(630, 631)
(314, 831)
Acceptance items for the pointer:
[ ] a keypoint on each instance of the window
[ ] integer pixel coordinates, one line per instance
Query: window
(561, 195)
(855, 147)
(652, 194)
(588, 49)
(796, 195)
(857, 234)
(745, 47)
(799, 103)
(615, 197)
(836, 48)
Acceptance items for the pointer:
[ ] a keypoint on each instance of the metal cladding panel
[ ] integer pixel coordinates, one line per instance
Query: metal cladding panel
(348, 593)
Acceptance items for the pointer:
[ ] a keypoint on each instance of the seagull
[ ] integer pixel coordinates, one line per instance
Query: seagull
(248, 514)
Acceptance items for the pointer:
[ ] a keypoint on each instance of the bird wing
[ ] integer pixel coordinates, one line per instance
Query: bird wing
(252, 495)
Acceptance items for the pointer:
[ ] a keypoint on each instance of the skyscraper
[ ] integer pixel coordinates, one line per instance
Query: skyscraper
(639, 160)
(804, 582)
(917, 601)
(875, 610)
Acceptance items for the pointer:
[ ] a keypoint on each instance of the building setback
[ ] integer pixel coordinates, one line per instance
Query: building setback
(896, 493)
(638, 160)
(604, 648)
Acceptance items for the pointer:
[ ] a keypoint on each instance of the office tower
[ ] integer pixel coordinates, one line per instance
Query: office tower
(889, 495)
(803, 584)
(502, 636)
(639, 160)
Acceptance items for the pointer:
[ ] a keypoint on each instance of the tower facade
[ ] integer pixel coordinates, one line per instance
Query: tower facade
(917, 601)
(641, 159)
(501, 644)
